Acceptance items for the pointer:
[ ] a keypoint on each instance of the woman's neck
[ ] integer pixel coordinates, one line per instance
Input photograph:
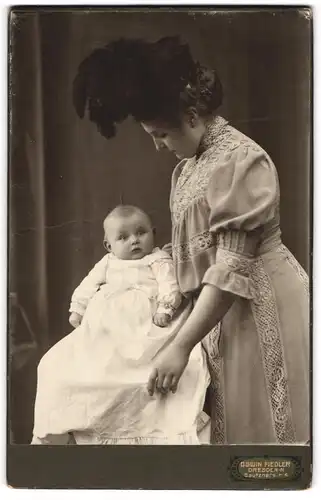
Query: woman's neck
(213, 127)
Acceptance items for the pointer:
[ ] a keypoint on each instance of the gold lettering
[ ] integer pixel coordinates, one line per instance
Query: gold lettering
(268, 468)
(280, 464)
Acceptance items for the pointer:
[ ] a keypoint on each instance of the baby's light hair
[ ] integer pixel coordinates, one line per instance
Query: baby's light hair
(124, 211)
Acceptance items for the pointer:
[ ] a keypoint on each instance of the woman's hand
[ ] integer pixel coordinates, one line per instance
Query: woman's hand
(168, 369)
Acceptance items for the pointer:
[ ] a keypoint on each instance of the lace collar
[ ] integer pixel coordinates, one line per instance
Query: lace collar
(211, 135)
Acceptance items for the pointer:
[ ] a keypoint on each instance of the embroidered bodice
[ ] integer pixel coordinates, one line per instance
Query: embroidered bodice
(225, 208)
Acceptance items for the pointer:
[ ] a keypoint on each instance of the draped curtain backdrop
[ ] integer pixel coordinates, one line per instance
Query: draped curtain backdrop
(64, 177)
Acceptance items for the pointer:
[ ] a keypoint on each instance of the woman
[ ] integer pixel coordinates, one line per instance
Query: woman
(251, 296)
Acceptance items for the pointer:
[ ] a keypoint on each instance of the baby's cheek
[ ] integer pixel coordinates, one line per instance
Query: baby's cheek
(150, 242)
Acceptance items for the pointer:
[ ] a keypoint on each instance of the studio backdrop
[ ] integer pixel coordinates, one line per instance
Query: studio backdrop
(64, 177)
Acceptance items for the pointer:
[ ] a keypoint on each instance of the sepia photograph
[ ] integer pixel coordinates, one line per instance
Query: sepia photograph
(160, 236)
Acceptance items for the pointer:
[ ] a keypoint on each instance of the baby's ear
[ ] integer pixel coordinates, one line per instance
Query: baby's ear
(154, 231)
(107, 246)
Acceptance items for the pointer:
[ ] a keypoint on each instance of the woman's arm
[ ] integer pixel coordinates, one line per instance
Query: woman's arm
(242, 195)
(211, 307)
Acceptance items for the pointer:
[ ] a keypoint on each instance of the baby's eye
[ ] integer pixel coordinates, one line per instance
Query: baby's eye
(140, 232)
(122, 237)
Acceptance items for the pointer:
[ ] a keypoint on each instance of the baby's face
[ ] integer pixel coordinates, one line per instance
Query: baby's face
(130, 237)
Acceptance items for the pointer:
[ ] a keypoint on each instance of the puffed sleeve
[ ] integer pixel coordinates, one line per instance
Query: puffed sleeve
(242, 196)
(89, 286)
(169, 296)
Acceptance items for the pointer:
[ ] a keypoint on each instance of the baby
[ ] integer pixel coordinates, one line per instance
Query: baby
(129, 235)
(92, 384)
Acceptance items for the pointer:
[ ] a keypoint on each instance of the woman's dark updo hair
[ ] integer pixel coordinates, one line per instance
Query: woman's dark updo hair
(150, 81)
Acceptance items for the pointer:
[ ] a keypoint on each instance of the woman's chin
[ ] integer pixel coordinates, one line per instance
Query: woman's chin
(182, 156)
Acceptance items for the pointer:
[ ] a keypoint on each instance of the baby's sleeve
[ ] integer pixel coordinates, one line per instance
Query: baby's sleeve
(169, 296)
(88, 287)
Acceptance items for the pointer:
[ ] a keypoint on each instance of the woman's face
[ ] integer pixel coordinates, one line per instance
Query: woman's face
(183, 141)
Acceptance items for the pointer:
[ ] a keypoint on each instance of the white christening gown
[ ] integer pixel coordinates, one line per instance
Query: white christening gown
(92, 385)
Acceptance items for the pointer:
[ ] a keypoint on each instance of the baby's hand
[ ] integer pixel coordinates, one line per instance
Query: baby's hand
(162, 319)
(75, 319)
